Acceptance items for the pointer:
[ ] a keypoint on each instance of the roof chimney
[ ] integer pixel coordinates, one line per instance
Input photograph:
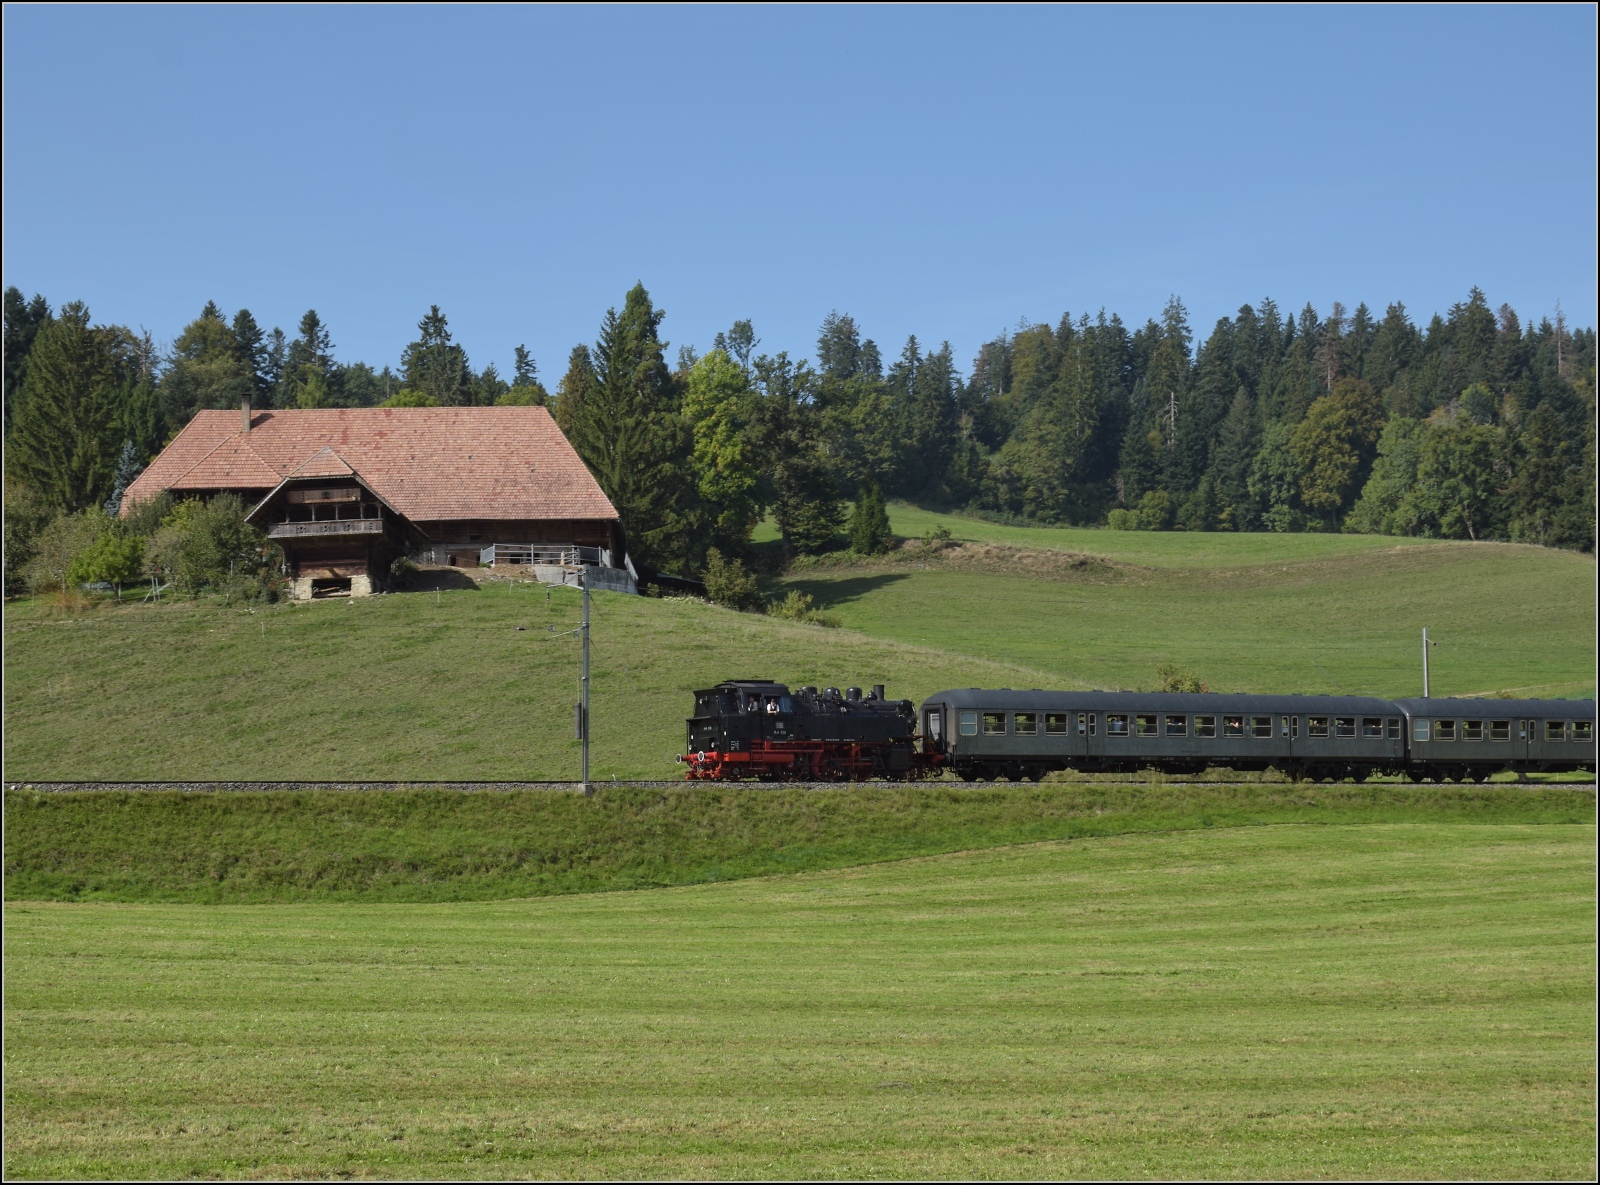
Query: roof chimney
(244, 411)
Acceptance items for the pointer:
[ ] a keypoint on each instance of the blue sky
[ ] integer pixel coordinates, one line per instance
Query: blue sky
(939, 171)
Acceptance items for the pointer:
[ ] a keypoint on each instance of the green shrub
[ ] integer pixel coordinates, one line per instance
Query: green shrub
(115, 559)
(1155, 511)
(1123, 520)
(797, 607)
(57, 548)
(869, 523)
(208, 545)
(728, 583)
(1176, 678)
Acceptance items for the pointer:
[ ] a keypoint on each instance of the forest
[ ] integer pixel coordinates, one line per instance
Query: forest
(1473, 426)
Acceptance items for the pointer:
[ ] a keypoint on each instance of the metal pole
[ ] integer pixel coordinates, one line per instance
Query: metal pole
(1424, 661)
(583, 709)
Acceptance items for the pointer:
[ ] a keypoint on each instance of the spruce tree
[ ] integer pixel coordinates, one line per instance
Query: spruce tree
(436, 366)
(23, 320)
(64, 439)
(869, 523)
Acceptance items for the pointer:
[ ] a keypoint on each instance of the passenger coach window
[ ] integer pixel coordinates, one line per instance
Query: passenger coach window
(1344, 726)
(1499, 730)
(1372, 726)
(1472, 730)
(1394, 728)
(1582, 730)
(967, 722)
(1177, 726)
(1444, 730)
(1205, 726)
(994, 724)
(1317, 726)
(1146, 726)
(1233, 726)
(1116, 726)
(1555, 730)
(1055, 723)
(1419, 730)
(1027, 724)
(1261, 726)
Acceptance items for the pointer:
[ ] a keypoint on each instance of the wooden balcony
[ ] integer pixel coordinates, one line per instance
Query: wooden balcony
(322, 530)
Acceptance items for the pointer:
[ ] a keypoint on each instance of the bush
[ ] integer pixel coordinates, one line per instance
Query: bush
(115, 559)
(26, 514)
(57, 548)
(208, 545)
(797, 607)
(1155, 511)
(1176, 678)
(728, 583)
(1123, 520)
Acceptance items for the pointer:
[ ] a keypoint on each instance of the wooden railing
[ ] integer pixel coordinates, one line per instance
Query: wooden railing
(337, 526)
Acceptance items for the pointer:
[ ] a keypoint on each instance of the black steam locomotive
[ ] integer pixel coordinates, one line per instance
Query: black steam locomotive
(760, 729)
(755, 728)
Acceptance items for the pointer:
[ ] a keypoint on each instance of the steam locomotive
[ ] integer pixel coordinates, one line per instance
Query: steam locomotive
(756, 728)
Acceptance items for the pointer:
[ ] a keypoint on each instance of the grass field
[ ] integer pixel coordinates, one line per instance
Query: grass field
(444, 845)
(470, 684)
(1290, 1001)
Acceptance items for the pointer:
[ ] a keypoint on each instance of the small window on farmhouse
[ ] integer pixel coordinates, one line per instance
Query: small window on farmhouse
(1177, 726)
(1146, 726)
(1555, 730)
(994, 724)
(1472, 730)
(1317, 726)
(1444, 730)
(1419, 730)
(1261, 727)
(1233, 726)
(1116, 726)
(967, 723)
(1344, 726)
(1582, 730)
(1205, 726)
(1372, 727)
(1499, 730)
(1055, 723)
(1027, 724)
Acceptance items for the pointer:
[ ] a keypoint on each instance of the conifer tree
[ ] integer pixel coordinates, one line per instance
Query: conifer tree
(61, 441)
(434, 365)
(869, 523)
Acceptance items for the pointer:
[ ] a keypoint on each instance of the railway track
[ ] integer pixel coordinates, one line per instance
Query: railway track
(569, 786)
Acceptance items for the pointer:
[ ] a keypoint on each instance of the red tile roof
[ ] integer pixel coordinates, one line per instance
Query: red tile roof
(429, 463)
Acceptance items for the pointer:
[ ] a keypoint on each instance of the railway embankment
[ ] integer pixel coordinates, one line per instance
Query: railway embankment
(402, 842)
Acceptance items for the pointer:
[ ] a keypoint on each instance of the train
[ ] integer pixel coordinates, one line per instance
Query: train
(760, 729)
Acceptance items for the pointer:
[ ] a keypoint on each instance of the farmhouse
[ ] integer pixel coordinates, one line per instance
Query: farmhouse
(346, 491)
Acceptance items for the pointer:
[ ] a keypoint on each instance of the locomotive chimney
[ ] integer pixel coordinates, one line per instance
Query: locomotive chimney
(877, 691)
(244, 412)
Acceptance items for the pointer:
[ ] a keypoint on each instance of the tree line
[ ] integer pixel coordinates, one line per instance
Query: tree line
(1474, 426)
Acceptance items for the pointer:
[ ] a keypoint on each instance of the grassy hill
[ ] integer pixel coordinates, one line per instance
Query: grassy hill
(1391, 1001)
(471, 685)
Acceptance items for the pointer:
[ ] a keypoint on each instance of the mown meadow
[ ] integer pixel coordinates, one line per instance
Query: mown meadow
(1378, 1001)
